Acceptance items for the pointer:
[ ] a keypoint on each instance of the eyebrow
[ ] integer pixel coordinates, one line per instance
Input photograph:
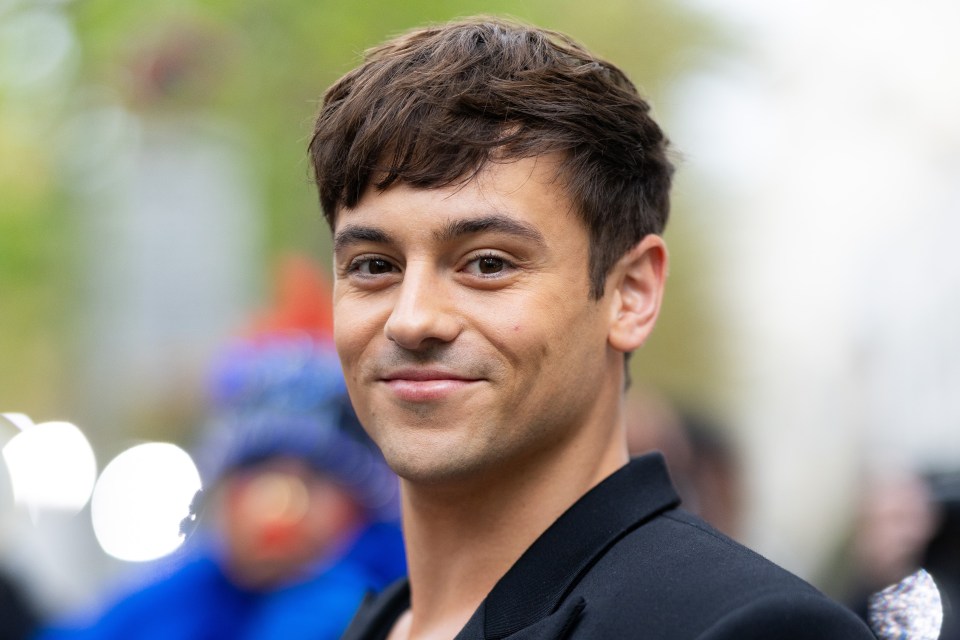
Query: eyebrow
(497, 223)
(357, 234)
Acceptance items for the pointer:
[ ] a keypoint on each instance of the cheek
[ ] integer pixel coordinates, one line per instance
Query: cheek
(354, 326)
(505, 324)
(345, 341)
(524, 337)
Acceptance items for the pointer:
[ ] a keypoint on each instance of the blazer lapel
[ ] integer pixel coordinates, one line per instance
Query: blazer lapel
(534, 589)
(530, 602)
(556, 626)
(378, 612)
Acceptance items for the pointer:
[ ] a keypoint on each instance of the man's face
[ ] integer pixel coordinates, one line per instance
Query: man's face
(469, 339)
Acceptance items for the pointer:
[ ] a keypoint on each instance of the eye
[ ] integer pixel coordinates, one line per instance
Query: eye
(375, 266)
(488, 265)
(371, 266)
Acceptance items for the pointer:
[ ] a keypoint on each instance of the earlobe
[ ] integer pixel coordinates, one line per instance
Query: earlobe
(638, 281)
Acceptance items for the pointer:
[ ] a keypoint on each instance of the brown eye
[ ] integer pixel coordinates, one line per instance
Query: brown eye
(377, 266)
(489, 265)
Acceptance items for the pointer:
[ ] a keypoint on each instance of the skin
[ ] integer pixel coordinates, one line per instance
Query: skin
(479, 363)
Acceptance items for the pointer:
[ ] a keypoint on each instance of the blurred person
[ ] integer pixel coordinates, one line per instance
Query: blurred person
(497, 196)
(896, 518)
(298, 517)
(941, 556)
(907, 521)
(702, 461)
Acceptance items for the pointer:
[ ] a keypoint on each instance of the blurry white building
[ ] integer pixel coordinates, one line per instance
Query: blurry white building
(829, 145)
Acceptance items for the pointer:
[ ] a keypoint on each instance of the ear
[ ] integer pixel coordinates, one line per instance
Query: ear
(635, 286)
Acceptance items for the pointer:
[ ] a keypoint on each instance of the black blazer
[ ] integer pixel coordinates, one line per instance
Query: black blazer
(624, 562)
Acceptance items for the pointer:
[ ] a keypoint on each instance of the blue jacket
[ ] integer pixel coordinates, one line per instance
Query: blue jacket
(198, 602)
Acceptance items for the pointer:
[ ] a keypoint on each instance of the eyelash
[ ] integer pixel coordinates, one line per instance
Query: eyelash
(507, 264)
(357, 263)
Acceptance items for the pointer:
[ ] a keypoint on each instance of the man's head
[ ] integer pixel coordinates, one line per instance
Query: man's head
(496, 195)
(431, 108)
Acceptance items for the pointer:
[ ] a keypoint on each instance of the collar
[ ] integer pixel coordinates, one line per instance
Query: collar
(533, 590)
(378, 613)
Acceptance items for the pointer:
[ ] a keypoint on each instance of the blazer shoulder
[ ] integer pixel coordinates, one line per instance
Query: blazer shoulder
(789, 616)
(678, 577)
(689, 551)
(723, 559)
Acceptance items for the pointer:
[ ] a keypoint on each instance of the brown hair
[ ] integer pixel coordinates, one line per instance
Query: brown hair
(430, 108)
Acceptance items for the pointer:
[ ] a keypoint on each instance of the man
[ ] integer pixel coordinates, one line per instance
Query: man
(497, 196)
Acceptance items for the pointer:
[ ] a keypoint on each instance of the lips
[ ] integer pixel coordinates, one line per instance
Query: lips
(417, 374)
(426, 385)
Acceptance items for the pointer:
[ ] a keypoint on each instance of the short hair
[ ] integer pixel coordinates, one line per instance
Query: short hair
(432, 107)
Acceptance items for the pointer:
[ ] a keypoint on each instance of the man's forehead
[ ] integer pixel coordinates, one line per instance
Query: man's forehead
(511, 172)
(488, 193)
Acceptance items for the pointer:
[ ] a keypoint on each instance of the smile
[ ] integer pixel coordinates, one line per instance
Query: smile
(425, 385)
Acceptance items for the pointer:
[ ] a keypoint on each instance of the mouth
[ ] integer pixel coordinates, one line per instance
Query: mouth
(426, 385)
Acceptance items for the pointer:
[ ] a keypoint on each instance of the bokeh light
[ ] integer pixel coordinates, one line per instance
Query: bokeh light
(51, 466)
(19, 420)
(35, 45)
(140, 499)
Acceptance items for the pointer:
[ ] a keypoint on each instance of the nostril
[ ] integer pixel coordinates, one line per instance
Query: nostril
(411, 327)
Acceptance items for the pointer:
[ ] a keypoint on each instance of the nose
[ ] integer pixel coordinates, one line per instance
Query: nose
(422, 314)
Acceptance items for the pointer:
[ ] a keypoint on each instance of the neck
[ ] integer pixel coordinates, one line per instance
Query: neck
(462, 539)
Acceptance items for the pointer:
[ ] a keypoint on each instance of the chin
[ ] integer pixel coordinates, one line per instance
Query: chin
(427, 470)
(429, 464)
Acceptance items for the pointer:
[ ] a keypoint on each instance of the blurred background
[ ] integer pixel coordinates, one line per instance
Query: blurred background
(153, 178)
